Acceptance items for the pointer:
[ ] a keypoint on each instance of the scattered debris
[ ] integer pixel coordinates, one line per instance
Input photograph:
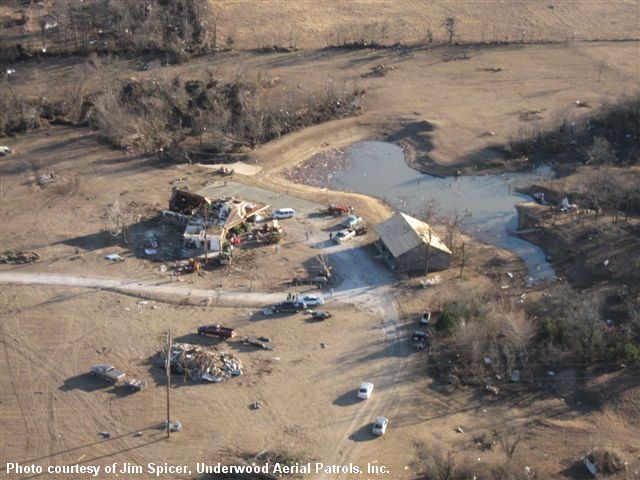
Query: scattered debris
(492, 389)
(515, 376)
(201, 363)
(19, 257)
(105, 434)
(114, 257)
(321, 167)
(42, 180)
(453, 379)
(4, 150)
(320, 315)
(258, 342)
(378, 71)
(256, 405)
(135, 384)
(173, 426)
(539, 198)
(565, 206)
(430, 282)
(593, 470)
(459, 430)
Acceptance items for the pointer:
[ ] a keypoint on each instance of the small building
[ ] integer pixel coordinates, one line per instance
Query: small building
(406, 243)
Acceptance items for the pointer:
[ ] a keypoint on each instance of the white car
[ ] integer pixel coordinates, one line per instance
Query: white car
(365, 390)
(284, 213)
(344, 235)
(311, 300)
(380, 426)
(351, 221)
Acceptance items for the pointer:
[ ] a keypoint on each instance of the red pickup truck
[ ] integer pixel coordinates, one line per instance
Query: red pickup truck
(337, 209)
(217, 330)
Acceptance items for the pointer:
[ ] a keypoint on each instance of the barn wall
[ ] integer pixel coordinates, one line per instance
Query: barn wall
(414, 261)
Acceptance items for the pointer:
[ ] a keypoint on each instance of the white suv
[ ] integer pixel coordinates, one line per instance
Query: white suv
(284, 213)
(311, 300)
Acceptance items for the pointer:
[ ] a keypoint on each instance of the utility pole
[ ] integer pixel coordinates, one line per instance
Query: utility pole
(462, 263)
(168, 370)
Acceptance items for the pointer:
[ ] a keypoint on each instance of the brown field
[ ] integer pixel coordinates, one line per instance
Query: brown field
(73, 308)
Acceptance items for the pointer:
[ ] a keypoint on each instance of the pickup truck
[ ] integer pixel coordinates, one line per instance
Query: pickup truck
(344, 235)
(107, 372)
(216, 330)
(337, 209)
(288, 307)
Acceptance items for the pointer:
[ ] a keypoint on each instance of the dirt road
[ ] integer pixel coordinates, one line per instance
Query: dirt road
(365, 284)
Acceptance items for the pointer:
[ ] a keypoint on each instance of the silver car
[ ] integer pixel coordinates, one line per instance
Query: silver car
(380, 426)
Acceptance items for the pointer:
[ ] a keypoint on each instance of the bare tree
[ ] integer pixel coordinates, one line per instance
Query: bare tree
(112, 119)
(601, 152)
(510, 439)
(451, 25)
(587, 322)
(116, 220)
(453, 228)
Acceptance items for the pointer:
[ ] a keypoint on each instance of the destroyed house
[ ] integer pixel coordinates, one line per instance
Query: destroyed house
(406, 243)
(208, 222)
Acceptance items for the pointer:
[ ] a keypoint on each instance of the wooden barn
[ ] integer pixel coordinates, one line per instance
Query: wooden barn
(406, 243)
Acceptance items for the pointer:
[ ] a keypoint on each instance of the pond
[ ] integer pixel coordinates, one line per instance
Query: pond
(484, 204)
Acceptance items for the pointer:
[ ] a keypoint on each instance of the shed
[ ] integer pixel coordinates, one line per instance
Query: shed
(406, 243)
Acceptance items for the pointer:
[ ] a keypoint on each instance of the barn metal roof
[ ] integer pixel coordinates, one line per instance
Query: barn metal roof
(402, 233)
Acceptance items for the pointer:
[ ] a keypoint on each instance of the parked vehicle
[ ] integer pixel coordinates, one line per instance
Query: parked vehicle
(344, 235)
(365, 390)
(284, 213)
(320, 315)
(420, 340)
(337, 209)
(351, 221)
(419, 336)
(216, 330)
(311, 300)
(288, 307)
(107, 372)
(425, 319)
(380, 426)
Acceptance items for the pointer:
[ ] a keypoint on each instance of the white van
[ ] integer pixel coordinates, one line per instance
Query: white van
(284, 213)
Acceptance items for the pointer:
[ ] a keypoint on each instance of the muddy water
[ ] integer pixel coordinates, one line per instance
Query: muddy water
(485, 204)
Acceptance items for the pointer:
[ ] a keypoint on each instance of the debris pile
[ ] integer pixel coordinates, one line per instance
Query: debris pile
(320, 169)
(19, 257)
(203, 364)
